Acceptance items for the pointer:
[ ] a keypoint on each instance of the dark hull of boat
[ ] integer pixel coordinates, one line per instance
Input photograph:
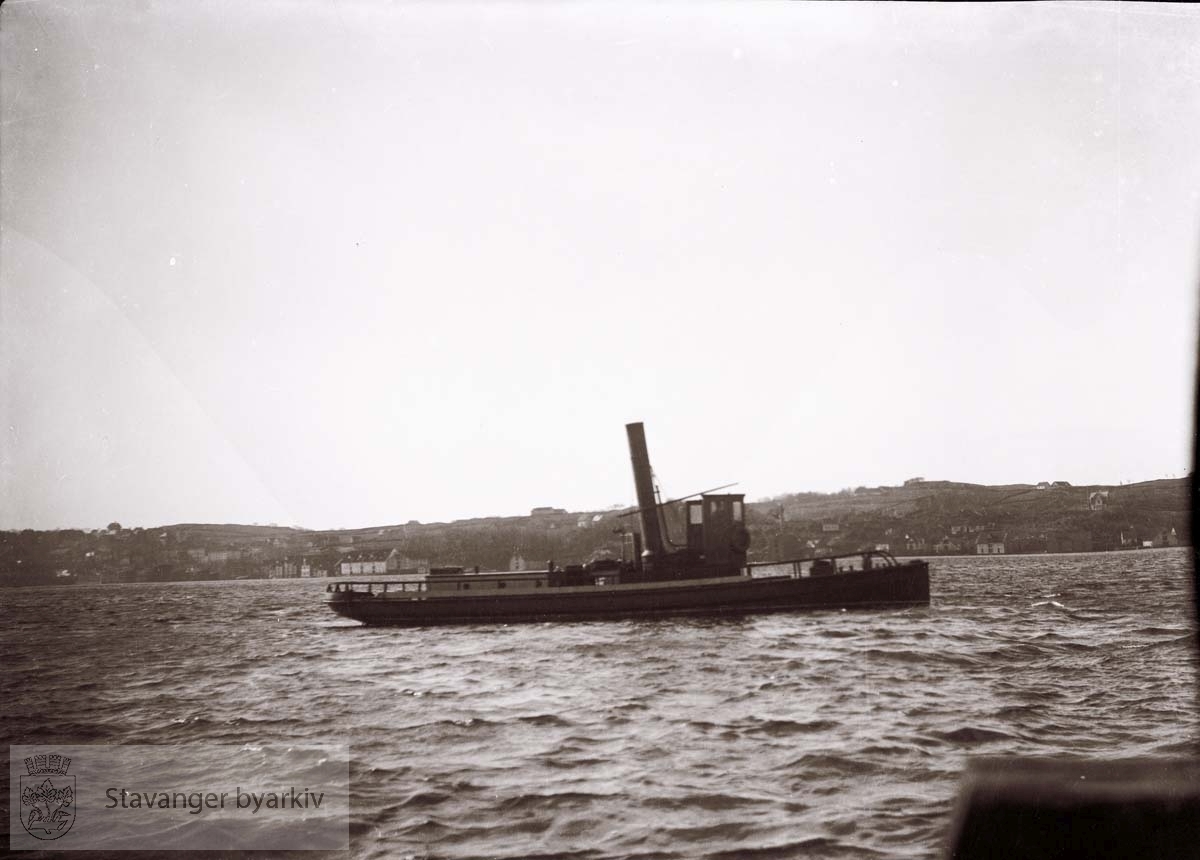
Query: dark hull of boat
(900, 586)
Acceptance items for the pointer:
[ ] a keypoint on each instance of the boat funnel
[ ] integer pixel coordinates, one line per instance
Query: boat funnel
(643, 482)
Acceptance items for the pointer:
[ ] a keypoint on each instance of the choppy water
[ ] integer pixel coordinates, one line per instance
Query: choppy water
(832, 734)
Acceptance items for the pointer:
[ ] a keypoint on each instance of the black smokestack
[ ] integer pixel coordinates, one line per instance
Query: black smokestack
(644, 484)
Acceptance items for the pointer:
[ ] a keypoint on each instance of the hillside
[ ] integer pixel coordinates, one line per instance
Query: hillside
(920, 518)
(941, 517)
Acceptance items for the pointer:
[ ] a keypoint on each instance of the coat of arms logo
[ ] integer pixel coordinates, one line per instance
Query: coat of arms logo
(47, 796)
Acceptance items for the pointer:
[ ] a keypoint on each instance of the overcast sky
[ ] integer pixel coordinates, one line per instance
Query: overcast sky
(358, 263)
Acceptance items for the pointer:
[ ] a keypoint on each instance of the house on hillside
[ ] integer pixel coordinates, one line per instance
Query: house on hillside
(373, 561)
(1098, 500)
(402, 564)
(1161, 538)
(292, 567)
(379, 561)
(990, 543)
(1043, 485)
(220, 556)
(948, 545)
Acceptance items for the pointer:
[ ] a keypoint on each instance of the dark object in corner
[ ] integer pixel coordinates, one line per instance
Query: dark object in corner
(1063, 809)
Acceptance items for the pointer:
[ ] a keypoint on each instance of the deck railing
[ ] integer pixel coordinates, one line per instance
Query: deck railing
(373, 587)
(798, 568)
(825, 565)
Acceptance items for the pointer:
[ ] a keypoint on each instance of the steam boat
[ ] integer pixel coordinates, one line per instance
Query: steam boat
(708, 575)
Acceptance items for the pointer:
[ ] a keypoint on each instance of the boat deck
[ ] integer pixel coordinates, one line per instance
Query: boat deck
(459, 583)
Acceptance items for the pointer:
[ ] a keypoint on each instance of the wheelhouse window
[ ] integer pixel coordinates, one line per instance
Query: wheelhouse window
(737, 512)
(695, 514)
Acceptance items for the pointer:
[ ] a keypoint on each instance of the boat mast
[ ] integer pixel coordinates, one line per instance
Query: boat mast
(643, 482)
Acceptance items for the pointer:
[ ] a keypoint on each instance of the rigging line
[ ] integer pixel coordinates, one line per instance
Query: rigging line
(634, 511)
